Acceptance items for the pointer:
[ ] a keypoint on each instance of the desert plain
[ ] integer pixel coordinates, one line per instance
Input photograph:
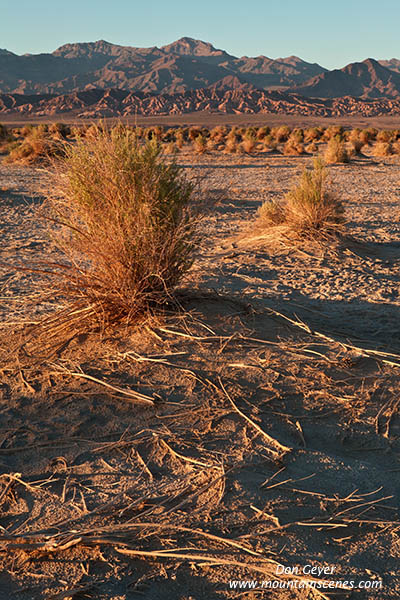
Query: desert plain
(255, 428)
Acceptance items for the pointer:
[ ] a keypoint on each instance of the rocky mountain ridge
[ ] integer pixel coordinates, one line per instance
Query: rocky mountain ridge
(177, 67)
(367, 79)
(100, 79)
(215, 99)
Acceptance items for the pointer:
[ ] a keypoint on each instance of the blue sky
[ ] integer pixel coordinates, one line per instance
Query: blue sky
(331, 33)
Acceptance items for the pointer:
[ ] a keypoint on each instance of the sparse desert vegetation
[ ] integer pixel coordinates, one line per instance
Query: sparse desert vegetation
(35, 144)
(128, 242)
(186, 403)
(310, 209)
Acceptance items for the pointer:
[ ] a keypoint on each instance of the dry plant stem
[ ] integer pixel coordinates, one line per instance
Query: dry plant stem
(280, 447)
(186, 458)
(130, 393)
(209, 560)
(265, 565)
(377, 354)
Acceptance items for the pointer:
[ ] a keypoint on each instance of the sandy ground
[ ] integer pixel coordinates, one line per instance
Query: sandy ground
(264, 443)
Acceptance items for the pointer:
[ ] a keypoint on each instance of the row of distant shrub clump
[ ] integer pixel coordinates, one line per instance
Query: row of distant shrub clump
(32, 144)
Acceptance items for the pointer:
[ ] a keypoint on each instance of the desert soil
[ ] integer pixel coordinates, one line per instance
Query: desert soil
(266, 440)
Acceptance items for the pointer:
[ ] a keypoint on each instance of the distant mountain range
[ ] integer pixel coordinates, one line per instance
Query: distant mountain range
(367, 79)
(99, 77)
(180, 66)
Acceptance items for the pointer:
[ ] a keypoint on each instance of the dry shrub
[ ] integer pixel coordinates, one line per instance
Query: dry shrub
(92, 131)
(336, 151)
(77, 132)
(382, 149)
(139, 131)
(200, 144)
(26, 130)
(179, 138)
(155, 133)
(270, 213)
(168, 136)
(312, 133)
(7, 140)
(384, 136)
(7, 146)
(309, 209)
(262, 132)
(280, 134)
(353, 134)
(357, 146)
(59, 130)
(334, 131)
(231, 145)
(233, 134)
(311, 148)
(37, 147)
(293, 148)
(218, 134)
(212, 144)
(124, 228)
(193, 133)
(297, 135)
(396, 147)
(249, 142)
(357, 140)
(171, 148)
(269, 143)
(365, 136)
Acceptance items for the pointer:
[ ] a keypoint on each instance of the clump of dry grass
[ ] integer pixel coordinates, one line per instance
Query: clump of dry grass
(309, 210)
(293, 147)
(212, 145)
(269, 143)
(200, 144)
(365, 136)
(396, 147)
(382, 149)
(262, 132)
(336, 151)
(37, 147)
(218, 134)
(179, 138)
(59, 130)
(280, 134)
(7, 140)
(312, 134)
(384, 136)
(271, 213)
(231, 145)
(171, 148)
(249, 142)
(193, 133)
(334, 131)
(125, 228)
(311, 148)
(357, 140)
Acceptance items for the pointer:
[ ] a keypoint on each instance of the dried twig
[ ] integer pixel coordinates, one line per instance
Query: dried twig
(125, 392)
(272, 441)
